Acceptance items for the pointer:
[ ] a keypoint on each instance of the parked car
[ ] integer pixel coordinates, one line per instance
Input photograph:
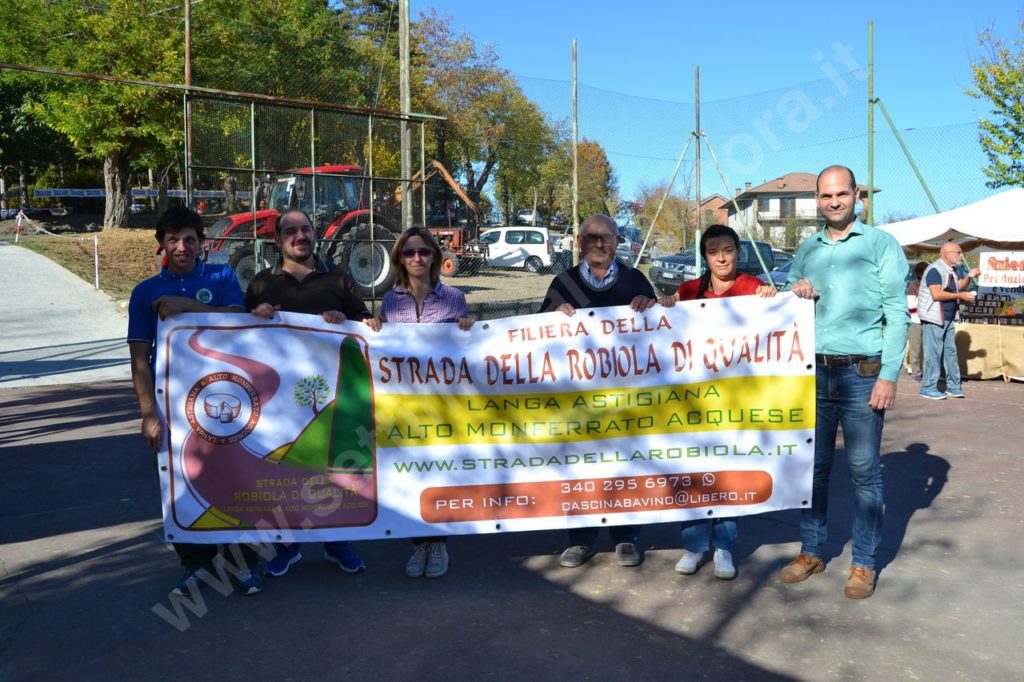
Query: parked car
(778, 276)
(625, 254)
(529, 248)
(781, 257)
(632, 233)
(527, 216)
(668, 272)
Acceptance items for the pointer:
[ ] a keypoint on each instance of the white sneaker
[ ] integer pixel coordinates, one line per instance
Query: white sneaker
(437, 560)
(724, 570)
(417, 564)
(688, 563)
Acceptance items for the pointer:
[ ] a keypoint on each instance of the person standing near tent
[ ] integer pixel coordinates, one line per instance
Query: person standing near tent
(856, 275)
(937, 304)
(914, 359)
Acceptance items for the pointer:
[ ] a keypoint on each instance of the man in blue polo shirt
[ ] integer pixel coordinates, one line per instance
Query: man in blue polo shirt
(856, 276)
(185, 285)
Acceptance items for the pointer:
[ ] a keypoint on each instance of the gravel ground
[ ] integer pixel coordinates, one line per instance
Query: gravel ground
(501, 293)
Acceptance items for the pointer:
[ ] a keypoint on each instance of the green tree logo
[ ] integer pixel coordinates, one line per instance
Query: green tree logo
(311, 392)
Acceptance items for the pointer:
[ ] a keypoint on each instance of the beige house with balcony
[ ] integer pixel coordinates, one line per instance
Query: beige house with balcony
(781, 211)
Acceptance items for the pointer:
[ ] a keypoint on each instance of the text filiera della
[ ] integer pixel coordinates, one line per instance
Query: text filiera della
(596, 360)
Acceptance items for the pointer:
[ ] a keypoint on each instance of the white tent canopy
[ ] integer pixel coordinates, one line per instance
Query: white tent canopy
(997, 222)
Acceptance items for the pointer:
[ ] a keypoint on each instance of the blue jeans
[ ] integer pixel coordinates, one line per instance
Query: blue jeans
(701, 534)
(842, 400)
(940, 347)
(588, 536)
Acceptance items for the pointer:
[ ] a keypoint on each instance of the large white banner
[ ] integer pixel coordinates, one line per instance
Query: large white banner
(296, 430)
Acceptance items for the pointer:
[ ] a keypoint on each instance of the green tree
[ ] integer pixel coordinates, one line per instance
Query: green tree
(598, 188)
(372, 27)
(105, 121)
(678, 217)
(490, 125)
(298, 49)
(312, 392)
(555, 176)
(305, 53)
(27, 147)
(999, 79)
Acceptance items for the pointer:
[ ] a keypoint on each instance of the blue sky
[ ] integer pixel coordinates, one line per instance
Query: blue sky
(755, 57)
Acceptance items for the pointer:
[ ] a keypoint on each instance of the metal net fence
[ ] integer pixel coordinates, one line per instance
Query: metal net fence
(753, 140)
(763, 151)
(251, 161)
(246, 159)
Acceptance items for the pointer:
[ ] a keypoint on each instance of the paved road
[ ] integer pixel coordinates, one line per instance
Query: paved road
(56, 328)
(82, 568)
(84, 575)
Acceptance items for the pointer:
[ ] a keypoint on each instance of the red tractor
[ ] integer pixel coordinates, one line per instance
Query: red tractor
(350, 235)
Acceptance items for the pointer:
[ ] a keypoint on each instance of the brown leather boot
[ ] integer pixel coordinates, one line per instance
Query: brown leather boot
(801, 568)
(861, 583)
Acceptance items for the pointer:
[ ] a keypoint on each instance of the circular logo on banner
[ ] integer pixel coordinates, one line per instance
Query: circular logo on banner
(222, 408)
(204, 296)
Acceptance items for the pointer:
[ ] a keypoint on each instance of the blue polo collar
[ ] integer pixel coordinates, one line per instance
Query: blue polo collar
(198, 270)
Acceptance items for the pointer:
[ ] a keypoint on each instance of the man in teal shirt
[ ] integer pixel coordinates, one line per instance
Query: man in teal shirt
(856, 276)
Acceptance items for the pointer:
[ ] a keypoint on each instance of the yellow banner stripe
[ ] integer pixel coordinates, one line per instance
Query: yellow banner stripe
(752, 403)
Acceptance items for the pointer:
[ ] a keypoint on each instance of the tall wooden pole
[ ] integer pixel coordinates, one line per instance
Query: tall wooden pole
(575, 160)
(404, 105)
(188, 42)
(188, 104)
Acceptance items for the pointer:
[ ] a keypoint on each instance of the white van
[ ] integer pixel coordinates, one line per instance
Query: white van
(518, 247)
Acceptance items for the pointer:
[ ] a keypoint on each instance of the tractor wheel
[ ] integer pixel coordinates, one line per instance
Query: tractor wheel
(367, 262)
(449, 265)
(243, 262)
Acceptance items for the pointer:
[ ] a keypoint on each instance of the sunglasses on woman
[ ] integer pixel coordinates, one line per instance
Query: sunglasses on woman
(422, 253)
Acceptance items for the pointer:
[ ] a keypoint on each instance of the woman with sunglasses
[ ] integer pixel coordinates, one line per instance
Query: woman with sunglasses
(419, 296)
(720, 247)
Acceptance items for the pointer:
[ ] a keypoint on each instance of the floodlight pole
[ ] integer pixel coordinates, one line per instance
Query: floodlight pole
(697, 134)
(871, 122)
